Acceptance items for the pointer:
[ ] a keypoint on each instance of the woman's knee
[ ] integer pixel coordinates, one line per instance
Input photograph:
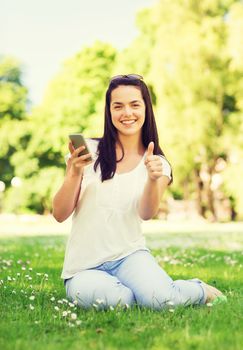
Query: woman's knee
(101, 295)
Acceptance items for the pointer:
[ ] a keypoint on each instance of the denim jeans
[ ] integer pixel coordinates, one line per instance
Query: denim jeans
(135, 279)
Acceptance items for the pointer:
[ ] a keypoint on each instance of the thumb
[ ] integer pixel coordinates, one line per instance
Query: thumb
(150, 149)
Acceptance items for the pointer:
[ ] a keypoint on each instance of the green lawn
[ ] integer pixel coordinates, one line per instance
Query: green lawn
(33, 300)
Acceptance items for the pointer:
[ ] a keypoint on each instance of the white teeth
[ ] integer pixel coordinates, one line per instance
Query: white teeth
(128, 121)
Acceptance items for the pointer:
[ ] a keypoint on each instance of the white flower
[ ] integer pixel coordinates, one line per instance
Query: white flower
(9, 278)
(14, 279)
(13, 291)
(23, 268)
(71, 304)
(30, 278)
(75, 302)
(30, 269)
(56, 308)
(32, 297)
(209, 304)
(170, 303)
(99, 301)
(64, 314)
(52, 299)
(60, 302)
(38, 274)
(95, 305)
(73, 316)
(18, 274)
(171, 310)
(31, 307)
(111, 308)
(46, 275)
(78, 322)
(65, 301)
(127, 306)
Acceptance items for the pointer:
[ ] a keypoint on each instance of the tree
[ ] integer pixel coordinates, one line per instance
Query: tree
(191, 75)
(13, 103)
(71, 104)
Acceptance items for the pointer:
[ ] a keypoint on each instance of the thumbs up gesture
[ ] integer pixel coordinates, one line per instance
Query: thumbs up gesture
(153, 163)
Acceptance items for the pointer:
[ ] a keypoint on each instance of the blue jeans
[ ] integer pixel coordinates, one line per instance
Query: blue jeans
(135, 279)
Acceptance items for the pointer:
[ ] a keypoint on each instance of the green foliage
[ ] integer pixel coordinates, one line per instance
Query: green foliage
(72, 103)
(196, 73)
(13, 101)
(190, 54)
(12, 93)
(36, 192)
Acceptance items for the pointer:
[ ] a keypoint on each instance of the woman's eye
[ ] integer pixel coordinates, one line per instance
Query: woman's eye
(135, 105)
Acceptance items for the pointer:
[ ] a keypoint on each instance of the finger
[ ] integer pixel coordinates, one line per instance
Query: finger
(71, 148)
(155, 168)
(78, 150)
(150, 149)
(83, 158)
(152, 159)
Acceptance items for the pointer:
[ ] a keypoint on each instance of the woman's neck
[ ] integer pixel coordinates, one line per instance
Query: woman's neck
(131, 144)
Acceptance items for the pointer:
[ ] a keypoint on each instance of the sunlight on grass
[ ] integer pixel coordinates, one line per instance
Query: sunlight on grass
(35, 307)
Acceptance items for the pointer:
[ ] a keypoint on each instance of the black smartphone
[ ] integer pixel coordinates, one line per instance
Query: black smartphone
(78, 140)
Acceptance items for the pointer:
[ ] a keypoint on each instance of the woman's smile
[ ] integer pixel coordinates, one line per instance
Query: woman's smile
(128, 123)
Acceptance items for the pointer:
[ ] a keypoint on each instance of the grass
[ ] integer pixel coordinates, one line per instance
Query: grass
(32, 301)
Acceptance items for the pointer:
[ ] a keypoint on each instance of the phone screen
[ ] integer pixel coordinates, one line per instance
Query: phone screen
(77, 141)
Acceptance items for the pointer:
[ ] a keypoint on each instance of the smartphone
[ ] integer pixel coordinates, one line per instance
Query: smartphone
(78, 140)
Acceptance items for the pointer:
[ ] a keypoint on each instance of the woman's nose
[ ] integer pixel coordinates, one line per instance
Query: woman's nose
(128, 111)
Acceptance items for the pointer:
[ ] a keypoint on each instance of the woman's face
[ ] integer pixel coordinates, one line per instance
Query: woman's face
(127, 109)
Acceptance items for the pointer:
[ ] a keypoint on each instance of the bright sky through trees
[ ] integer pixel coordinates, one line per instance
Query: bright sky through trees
(42, 34)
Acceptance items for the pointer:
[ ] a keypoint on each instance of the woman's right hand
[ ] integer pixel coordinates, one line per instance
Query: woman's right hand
(76, 164)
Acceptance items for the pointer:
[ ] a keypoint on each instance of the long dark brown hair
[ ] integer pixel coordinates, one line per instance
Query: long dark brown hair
(106, 148)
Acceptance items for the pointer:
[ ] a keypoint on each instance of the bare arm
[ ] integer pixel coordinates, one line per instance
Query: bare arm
(65, 200)
(149, 202)
(155, 186)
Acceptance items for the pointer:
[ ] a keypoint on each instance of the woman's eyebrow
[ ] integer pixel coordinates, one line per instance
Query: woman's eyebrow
(120, 103)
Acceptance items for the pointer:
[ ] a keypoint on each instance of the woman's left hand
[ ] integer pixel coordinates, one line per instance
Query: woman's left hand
(153, 163)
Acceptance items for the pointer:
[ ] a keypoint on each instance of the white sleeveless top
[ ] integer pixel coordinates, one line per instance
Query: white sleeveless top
(106, 225)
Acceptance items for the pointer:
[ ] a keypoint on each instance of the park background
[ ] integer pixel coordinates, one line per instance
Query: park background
(56, 58)
(190, 54)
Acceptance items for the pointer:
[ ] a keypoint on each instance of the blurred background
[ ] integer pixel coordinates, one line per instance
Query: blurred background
(55, 62)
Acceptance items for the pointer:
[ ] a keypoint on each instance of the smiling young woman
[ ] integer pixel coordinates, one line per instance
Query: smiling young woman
(106, 257)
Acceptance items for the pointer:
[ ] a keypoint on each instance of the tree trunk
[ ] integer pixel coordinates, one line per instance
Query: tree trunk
(199, 187)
